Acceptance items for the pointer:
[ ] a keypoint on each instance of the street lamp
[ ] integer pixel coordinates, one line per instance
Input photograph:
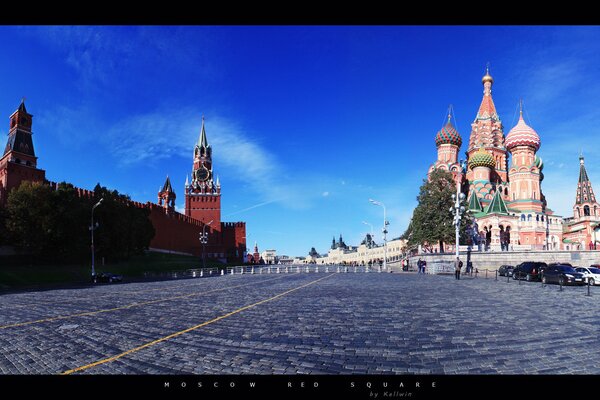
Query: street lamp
(204, 240)
(92, 229)
(457, 209)
(384, 230)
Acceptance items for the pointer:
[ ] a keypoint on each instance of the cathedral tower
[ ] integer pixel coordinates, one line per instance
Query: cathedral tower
(586, 206)
(487, 133)
(524, 174)
(448, 142)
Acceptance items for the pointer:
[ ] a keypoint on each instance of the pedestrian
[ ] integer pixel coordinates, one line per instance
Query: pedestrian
(419, 265)
(424, 266)
(457, 266)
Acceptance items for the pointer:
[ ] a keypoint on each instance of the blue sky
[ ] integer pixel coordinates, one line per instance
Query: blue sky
(306, 123)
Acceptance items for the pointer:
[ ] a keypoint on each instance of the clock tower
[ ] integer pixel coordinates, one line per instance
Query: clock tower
(203, 194)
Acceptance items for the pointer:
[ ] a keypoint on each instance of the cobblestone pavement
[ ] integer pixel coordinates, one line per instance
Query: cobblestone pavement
(346, 323)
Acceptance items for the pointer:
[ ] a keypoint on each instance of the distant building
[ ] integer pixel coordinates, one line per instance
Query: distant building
(365, 253)
(269, 256)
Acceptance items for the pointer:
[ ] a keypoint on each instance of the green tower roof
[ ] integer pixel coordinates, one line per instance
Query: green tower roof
(497, 205)
(474, 203)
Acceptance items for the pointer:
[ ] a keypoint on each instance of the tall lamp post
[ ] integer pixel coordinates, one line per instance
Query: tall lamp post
(384, 230)
(92, 229)
(457, 209)
(204, 240)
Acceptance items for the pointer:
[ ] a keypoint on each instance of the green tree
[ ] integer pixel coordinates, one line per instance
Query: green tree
(54, 224)
(28, 217)
(123, 229)
(432, 220)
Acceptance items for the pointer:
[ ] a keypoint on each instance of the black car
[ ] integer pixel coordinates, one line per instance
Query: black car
(529, 270)
(106, 277)
(505, 270)
(563, 275)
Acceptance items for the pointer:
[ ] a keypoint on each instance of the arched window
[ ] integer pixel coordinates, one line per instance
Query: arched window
(528, 217)
(522, 217)
(542, 218)
(537, 218)
(586, 211)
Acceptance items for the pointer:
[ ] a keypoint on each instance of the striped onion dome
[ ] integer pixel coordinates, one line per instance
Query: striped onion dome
(539, 163)
(522, 135)
(448, 135)
(481, 158)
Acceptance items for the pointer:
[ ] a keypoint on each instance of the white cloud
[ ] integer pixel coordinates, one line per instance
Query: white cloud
(325, 194)
(237, 153)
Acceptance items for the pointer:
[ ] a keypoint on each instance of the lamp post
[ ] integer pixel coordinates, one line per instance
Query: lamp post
(457, 209)
(204, 240)
(92, 229)
(384, 230)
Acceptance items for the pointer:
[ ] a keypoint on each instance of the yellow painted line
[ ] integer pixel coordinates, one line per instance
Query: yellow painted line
(83, 314)
(193, 328)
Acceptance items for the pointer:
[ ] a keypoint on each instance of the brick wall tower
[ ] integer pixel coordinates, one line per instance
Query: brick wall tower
(18, 162)
(203, 194)
(166, 197)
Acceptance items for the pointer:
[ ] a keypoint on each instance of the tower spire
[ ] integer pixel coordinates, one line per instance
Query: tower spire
(521, 108)
(203, 142)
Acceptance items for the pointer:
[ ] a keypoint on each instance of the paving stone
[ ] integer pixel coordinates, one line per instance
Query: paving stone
(347, 323)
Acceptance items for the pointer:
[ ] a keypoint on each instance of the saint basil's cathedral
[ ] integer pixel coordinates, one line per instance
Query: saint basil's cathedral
(506, 200)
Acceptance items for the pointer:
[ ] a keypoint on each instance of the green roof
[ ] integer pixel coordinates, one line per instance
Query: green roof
(497, 205)
(474, 203)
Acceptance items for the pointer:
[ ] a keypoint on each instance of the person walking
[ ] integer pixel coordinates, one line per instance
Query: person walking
(457, 267)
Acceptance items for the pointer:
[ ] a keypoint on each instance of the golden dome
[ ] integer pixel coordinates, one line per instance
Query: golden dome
(487, 78)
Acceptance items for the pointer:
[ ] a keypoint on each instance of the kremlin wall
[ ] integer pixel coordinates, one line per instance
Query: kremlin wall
(174, 232)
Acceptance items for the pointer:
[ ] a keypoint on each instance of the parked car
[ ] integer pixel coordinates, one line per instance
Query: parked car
(529, 270)
(591, 274)
(563, 275)
(506, 270)
(107, 277)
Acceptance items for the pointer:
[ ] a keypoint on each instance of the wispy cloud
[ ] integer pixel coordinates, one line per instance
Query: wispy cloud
(249, 208)
(173, 132)
(99, 54)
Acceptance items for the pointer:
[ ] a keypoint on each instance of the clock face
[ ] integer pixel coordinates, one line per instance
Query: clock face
(202, 174)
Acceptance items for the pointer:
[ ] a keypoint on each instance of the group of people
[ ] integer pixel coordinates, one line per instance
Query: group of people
(421, 264)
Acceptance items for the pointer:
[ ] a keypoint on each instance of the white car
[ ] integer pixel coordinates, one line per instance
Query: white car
(592, 274)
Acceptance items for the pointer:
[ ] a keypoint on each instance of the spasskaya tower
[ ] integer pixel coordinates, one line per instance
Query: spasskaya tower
(203, 194)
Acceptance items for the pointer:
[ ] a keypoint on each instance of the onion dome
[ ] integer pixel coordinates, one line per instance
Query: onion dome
(539, 163)
(522, 135)
(487, 77)
(481, 158)
(448, 135)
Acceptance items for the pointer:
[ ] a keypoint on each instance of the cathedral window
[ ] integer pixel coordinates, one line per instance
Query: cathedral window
(522, 217)
(586, 210)
(528, 217)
